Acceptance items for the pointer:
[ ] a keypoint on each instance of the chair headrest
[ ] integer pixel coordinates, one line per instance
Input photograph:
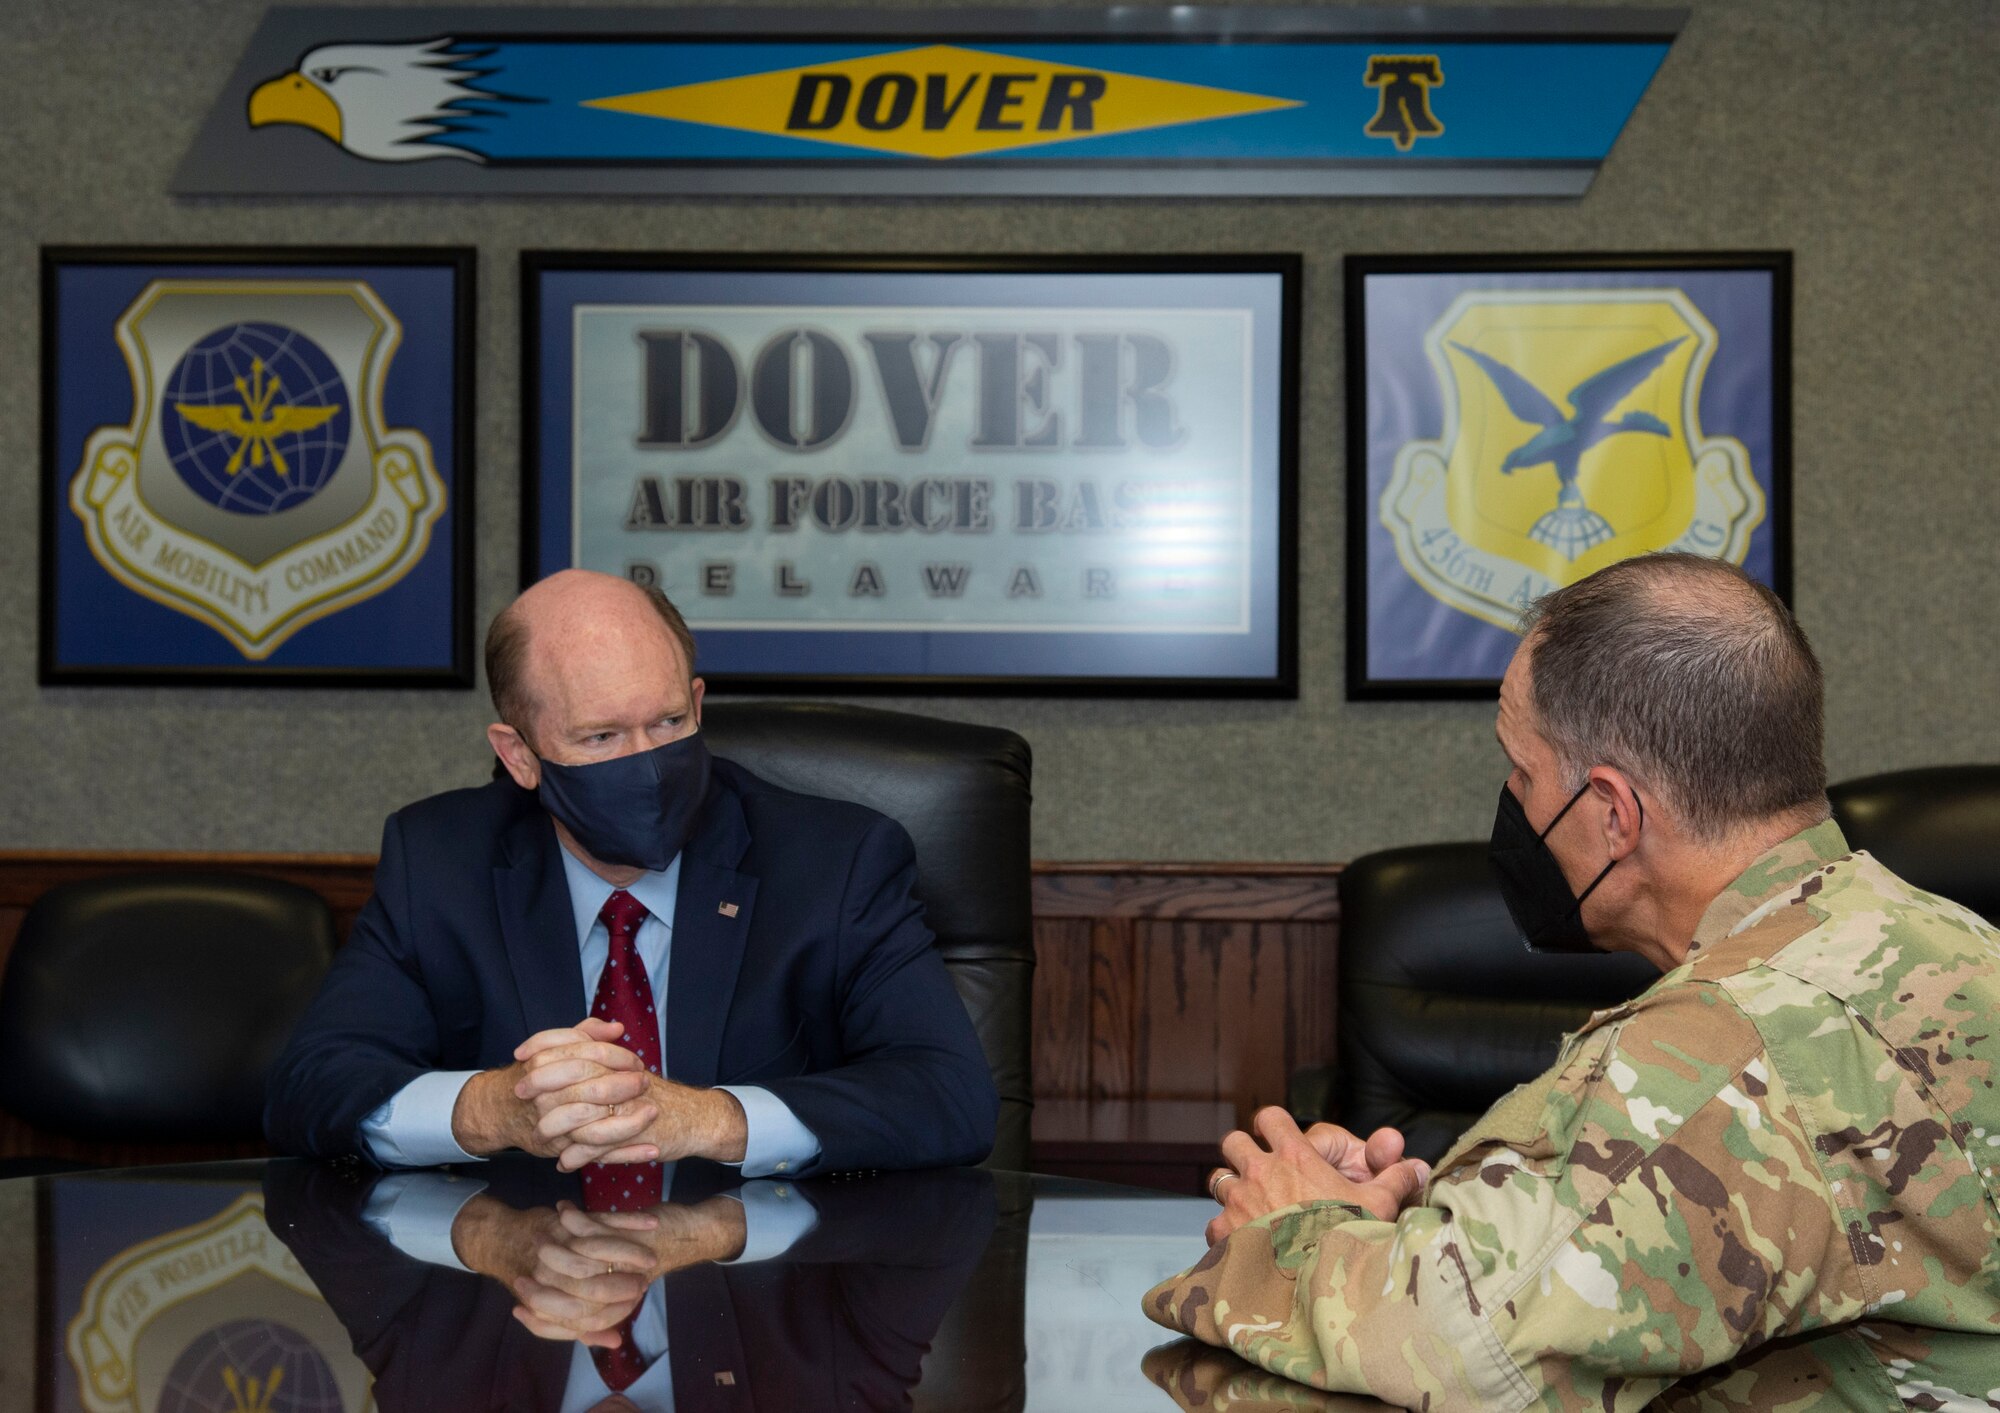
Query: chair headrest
(1430, 917)
(960, 789)
(152, 1005)
(1937, 827)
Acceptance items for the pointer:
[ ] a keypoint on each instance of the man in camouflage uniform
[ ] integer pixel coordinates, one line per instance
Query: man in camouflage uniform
(1767, 1183)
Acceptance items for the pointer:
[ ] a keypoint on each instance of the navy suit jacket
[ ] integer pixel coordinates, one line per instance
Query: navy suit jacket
(824, 987)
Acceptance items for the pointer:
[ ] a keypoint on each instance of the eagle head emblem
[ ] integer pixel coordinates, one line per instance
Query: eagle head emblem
(384, 102)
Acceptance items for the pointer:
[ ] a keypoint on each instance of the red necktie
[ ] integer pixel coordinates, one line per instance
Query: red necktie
(620, 1368)
(624, 995)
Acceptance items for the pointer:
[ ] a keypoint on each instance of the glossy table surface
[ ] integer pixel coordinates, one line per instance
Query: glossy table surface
(291, 1287)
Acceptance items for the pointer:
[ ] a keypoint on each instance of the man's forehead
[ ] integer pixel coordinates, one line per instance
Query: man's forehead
(620, 696)
(1509, 722)
(578, 667)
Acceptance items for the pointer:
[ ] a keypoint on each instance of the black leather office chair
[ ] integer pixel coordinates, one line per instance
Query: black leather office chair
(147, 1007)
(962, 792)
(1442, 1008)
(1937, 827)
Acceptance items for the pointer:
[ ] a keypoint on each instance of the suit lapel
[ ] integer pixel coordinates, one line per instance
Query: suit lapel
(538, 925)
(711, 924)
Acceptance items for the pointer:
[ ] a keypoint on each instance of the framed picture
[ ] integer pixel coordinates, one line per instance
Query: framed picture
(256, 466)
(1009, 475)
(1516, 423)
(179, 1292)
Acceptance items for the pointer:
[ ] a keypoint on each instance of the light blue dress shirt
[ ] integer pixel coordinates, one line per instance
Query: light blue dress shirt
(413, 1128)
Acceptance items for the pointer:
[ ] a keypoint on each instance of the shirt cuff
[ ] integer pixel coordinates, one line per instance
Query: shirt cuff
(415, 1211)
(776, 1142)
(775, 1216)
(413, 1128)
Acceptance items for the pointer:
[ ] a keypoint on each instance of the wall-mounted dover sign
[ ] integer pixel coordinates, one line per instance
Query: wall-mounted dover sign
(1166, 101)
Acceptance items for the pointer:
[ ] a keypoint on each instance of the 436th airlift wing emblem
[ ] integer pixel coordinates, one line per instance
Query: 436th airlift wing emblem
(257, 488)
(1572, 439)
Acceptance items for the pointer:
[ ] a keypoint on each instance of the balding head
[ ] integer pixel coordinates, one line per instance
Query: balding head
(571, 636)
(1690, 677)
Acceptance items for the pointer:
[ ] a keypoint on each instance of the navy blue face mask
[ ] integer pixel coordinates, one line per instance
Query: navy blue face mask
(635, 810)
(1531, 880)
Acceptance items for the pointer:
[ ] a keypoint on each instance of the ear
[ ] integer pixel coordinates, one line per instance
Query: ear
(695, 690)
(1618, 803)
(521, 762)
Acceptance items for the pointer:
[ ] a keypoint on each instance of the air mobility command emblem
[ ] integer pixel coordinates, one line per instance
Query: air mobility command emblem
(1572, 438)
(258, 486)
(216, 1317)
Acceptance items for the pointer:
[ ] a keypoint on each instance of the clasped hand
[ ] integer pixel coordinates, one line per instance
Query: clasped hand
(1324, 1163)
(574, 1094)
(578, 1275)
(591, 1097)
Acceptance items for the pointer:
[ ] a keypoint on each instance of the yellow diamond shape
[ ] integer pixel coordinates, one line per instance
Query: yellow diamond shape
(941, 101)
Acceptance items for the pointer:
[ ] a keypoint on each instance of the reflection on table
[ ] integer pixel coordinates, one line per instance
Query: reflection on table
(1200, 1376)
(838, 1318)
(288, 1286)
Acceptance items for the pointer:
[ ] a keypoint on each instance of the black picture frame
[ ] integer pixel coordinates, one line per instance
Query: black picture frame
(544, 483)
(446, 425)
(1375, 362)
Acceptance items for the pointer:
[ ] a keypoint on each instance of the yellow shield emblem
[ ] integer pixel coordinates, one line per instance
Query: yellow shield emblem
(1572, 439)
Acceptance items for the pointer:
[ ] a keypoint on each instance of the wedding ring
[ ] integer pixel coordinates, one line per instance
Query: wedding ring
(1216, 1179)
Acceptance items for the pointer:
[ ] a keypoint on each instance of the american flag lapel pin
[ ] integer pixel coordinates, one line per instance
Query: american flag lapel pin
(727, 909)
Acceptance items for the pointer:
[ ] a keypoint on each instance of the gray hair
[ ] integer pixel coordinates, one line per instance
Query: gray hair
(1693, 679)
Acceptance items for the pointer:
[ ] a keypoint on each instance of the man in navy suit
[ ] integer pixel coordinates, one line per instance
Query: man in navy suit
(627, 952)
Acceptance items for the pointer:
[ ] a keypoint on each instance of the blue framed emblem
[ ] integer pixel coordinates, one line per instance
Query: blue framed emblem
(1017, 475)
(1516, 423)
(153, 1286)
(256, 466)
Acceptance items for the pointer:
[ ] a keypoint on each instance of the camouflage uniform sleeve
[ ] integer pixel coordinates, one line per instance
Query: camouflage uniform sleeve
(1650, 1208)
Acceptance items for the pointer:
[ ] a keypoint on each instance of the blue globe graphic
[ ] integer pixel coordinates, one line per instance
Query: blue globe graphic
(256, 418)
(256, 1364)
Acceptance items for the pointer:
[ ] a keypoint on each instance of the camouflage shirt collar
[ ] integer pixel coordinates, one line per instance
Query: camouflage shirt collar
(1767, 881)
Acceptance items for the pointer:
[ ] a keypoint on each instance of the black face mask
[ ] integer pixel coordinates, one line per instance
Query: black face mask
(1549, 915)
(635, 810)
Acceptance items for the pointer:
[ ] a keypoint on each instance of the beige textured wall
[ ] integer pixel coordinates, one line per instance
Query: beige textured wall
(1861, 134)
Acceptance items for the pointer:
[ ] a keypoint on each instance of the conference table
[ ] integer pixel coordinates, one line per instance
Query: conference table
(293, 1287)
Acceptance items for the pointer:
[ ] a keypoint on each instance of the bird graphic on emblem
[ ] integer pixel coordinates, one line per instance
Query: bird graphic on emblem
(1573, 527)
